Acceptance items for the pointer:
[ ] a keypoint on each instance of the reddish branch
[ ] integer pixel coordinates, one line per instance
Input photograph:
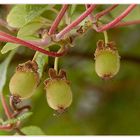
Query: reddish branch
(9, 115)
(6, 128)
(34, 45)
(75, 23)
(3, 39)
(5, 107)
(127, 23)
(58, 19)
(16, 40)
(116, 20)
(7, 112)
(106, 11)
(90, 15)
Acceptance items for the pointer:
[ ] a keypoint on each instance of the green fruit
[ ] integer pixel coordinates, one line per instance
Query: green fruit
(23, 84)
(25, 80)
(59, 94)
(107, 62)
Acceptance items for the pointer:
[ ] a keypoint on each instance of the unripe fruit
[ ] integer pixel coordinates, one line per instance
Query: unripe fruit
(25, 80)
(107, 60)
(58, 93)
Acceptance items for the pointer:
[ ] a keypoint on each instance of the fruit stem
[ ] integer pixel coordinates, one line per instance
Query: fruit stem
(35, 55)
(105, 37)
(56, 61)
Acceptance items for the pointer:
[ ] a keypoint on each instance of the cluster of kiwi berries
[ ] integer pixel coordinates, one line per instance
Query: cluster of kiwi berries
(58, 92)
(26, 79)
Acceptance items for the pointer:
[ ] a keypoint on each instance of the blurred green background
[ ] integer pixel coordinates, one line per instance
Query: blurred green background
(99, 107)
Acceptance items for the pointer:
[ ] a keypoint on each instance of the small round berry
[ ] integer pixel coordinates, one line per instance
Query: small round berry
(58, 91)
(24, 81)
(59, 94)
(107, 61)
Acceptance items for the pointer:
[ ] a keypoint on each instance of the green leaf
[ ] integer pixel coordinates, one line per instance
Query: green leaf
(133, 15)
(23, 14)
(30, 29)
(26, 32)
(17, 16)
(3, 70)
(8, 47)
(32, 130)
(19, 118)
(34, 11)
(41, 60)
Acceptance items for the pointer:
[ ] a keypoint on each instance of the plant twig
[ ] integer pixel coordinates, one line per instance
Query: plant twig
(90, 15)
(6, 128)
(106, 11)
(37, 43)
(58, 19)
(4, 39)
(5, 106)
(116, 20)
(75, 23)
(122, 24)
(16, 40)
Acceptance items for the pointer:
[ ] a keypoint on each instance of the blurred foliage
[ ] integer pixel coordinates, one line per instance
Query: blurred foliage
(99, 107)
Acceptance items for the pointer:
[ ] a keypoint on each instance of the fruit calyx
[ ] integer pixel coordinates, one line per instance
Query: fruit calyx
(101, 46)
(29, 66)
(56, 76)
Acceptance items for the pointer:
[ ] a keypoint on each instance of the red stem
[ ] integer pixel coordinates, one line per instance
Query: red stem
(5, 106)
(106, 11)
(44, 42)
(16, 40)
(6, 128)
(90, 15)
(116, 20)
(58, 19)
(36, 43)
(75, 23)
(3, 39)
(127, 23)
